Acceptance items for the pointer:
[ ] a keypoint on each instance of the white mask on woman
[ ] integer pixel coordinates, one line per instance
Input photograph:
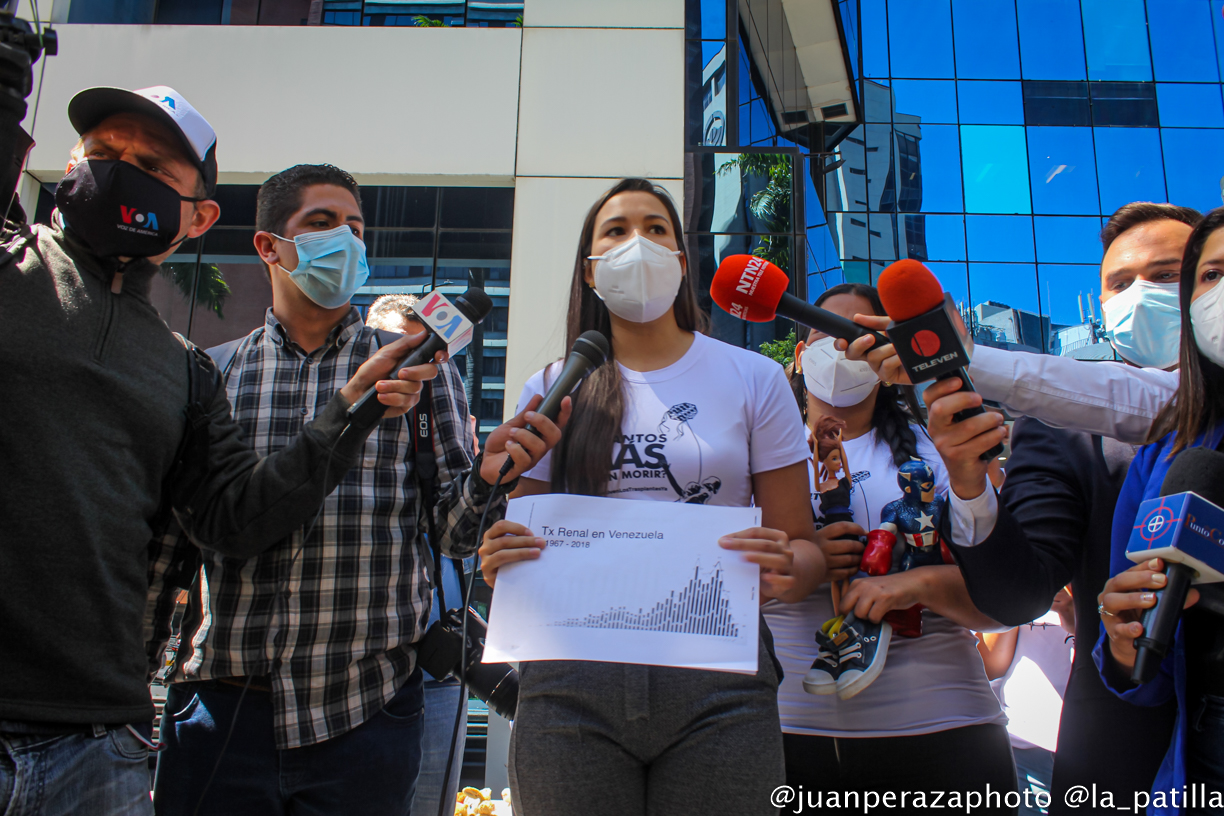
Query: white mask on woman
(1207, 319)
(638, 279)
(833, 379)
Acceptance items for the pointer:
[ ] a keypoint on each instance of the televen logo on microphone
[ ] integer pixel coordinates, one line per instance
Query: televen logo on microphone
(925, 343)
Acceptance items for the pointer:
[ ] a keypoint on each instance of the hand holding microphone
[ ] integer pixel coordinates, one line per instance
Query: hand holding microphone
(449, 329)
(516, 446)
(1140, 608)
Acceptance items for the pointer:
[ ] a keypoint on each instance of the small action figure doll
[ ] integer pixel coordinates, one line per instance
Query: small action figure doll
(846, 646)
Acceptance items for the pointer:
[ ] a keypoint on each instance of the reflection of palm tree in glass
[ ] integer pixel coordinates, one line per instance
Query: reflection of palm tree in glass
(771, 207)
(211, 291)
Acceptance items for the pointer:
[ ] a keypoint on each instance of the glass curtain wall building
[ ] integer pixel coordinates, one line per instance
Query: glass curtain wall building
(478, 13)
(757, 154)
(998, 135)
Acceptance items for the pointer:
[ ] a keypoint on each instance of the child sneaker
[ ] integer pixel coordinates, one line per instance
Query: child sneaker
(862, 654)
(822, 677)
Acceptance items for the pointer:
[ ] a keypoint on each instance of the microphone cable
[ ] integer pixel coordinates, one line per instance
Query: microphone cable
(281, 594)
(467, 601)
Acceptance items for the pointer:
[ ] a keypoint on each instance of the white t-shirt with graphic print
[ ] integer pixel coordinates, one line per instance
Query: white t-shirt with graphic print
(929, 683)
(697, 430)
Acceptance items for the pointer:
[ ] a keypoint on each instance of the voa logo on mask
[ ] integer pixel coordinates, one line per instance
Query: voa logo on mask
(135, 221)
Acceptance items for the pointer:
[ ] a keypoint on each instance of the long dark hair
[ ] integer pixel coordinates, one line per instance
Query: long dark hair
(1199, 402)
(583, 457)
(896, 405)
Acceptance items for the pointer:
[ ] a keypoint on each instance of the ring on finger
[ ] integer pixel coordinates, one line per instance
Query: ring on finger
(1101, 610)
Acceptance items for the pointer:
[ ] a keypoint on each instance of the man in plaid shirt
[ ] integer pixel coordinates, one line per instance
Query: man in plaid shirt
(306, 652)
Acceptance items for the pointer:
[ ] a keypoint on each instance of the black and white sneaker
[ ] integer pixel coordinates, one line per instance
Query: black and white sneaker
(822, 677)
(862, 654)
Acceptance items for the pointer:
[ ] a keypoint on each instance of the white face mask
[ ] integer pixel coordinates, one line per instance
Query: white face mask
(638, 279)
(1143, 322)
(833, 379)
(1207, 319)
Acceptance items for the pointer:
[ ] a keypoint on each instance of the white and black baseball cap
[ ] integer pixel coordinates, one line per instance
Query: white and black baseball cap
(92, 105)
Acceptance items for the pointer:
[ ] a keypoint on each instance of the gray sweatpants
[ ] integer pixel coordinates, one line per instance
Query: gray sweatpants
(611, 739)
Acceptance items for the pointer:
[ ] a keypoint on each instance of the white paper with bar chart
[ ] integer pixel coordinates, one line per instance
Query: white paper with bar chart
(628, 582)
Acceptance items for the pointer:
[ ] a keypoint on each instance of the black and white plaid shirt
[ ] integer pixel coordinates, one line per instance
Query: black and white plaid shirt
(359, 591)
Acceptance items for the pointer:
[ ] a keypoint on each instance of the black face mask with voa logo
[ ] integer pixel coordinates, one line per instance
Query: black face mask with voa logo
(119, 210)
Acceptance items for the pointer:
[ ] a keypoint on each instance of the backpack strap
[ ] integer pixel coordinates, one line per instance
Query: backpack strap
(224, 356)
(425, 467)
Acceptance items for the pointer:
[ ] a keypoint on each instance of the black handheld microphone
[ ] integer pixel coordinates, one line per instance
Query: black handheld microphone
(1192, 549)
(590, 351)
(447, 324)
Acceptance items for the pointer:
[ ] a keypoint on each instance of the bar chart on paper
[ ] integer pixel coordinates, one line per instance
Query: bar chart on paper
(650, 586)
(700, 608)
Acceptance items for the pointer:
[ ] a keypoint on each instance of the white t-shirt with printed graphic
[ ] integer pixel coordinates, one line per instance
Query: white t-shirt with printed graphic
(930, 683)
(697, 430)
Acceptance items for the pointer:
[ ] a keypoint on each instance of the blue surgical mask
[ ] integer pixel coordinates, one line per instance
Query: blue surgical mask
(331, 266)
(1143, 322)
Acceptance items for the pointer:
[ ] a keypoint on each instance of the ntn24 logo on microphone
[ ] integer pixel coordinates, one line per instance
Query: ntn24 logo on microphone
(1183, 527)
(446, 321)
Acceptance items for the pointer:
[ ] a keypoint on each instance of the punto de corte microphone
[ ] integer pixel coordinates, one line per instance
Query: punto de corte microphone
(449, 326)
(754, 289)
(927, 331)
(590, 351)
(1185, 527)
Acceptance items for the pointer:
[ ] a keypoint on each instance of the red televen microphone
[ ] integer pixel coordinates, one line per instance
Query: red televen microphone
(927, 331)
(753, 289)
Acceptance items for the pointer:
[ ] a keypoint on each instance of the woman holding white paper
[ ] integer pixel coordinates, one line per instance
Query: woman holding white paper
(672, 416)
(864, 707)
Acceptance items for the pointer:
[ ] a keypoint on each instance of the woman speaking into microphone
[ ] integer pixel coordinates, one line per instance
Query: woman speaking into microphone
(673, 415)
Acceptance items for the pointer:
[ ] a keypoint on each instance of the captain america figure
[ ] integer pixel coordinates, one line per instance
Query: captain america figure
(917, 517)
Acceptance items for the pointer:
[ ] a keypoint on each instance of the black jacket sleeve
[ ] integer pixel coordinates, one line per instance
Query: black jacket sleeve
(1033, 550)
(238, 504)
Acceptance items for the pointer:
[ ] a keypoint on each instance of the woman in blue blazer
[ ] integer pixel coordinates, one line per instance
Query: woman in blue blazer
(1191, 778)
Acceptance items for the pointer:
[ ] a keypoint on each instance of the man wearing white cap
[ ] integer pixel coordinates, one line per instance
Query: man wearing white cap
(108, 422)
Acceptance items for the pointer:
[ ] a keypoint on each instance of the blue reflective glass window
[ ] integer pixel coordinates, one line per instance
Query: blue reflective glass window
(1190, 105)
(1063, 168)
(857, 272)
(945, 237)
(1055, 102)
(1005, 306)
(874, 24)
(846, 186)
(990, 103)
(924, 30)
(1194, 166)
(1124, 104)
(881, 168)
(1182, 47)
(822, 250)
(986, 44)
(999, 237)
(1066, 289)
(995, 169)
(1051, 39)
(954, 278)
(1129, 166)
(1116, 40)
(877, 101)
(939, 169)
(706, 19)
(931, 100)
(886, 236)
(1068, 240)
